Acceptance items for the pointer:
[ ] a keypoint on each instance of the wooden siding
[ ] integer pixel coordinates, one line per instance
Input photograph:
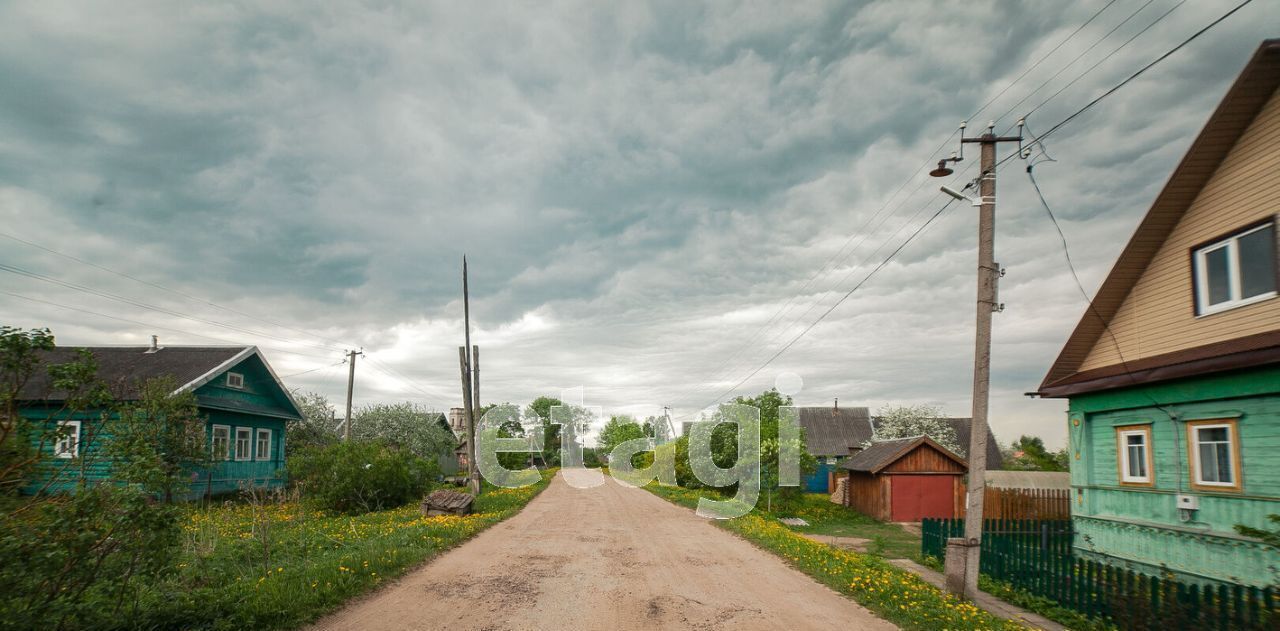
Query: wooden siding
(924, 459)
(1142, 524)
(1158, 314)
(869, 495)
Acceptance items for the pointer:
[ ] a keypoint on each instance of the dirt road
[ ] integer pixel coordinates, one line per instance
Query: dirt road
(611, 558)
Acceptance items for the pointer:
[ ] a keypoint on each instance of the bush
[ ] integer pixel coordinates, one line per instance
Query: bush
(360, 476)
(79, 560)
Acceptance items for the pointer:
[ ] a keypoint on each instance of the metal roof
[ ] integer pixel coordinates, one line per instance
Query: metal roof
(1029, 479)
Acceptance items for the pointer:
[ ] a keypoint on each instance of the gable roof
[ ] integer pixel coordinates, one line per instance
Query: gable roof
(831, 431)
(125, 368)
(1246, 97)
(883, 453)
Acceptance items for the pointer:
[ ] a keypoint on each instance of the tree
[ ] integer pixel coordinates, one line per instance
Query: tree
(24, 441)
(407, 425)
(616, 431)
(910, 421)
(72, 560)
(158, 441)
(540, 408)
(317, 427)
(1028, 453)
(724, 450)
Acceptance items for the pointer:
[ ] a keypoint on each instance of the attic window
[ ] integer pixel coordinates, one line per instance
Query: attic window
(235, 380)
(1236, 270)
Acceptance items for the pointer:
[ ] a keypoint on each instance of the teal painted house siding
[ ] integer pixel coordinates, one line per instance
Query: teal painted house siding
(259, 404)
(1143, 525)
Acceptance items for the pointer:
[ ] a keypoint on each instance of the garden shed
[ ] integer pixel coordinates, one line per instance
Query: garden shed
(905, 480)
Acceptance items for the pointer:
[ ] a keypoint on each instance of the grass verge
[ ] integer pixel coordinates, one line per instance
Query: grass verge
(890, 592)
(890, 541)
(279, 566)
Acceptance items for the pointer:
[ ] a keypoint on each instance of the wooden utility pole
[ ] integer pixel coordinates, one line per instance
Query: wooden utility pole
(351, 384)
(962, 573)
(470, 382)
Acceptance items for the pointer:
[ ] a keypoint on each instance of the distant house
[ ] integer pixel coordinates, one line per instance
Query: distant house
(904, 480)
(245, 405)
(832, 434)
(1173, 373)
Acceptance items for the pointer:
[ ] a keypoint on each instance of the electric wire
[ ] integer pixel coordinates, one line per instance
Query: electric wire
(167, 289)
(1143, 69)
(154, 326)
(832, 308)
(103, 294)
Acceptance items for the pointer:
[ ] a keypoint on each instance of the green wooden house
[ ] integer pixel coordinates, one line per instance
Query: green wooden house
(1173, 373)
(245, 405)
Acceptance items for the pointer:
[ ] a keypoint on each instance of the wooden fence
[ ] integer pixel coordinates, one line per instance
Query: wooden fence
(1037, 556)
(1040, 504)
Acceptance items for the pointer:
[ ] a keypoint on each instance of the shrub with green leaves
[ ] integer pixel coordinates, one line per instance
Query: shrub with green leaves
(361, 476)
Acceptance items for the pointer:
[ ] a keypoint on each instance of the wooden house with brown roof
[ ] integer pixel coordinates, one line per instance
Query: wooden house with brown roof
(907, 480)
(1173, 372)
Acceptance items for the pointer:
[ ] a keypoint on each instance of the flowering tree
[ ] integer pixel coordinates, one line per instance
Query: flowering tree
(909, 421)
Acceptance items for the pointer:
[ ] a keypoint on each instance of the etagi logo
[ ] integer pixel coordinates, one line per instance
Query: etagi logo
(780, 452)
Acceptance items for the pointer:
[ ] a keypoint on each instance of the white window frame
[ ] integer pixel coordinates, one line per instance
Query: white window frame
(213, 442)
(248, 444)
(235, 380)
(1233, 459)
(68, 446)
(1203, 308)
(1123, 448)
(259, 453)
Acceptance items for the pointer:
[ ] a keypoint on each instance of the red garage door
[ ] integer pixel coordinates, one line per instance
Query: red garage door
(918, 496)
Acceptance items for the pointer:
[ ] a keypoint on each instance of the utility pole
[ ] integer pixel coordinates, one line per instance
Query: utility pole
(470, 383)
(351, 384)
(964, 555)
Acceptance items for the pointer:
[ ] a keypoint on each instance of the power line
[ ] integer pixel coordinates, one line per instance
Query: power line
(1145, 68)
(1108, 56)
(81, 288)
(313, 370)
(847, 294)
(1077, 58)
(164, 288)
(1106, 326)
(840, 254)
(1042, 59)
(153, 326)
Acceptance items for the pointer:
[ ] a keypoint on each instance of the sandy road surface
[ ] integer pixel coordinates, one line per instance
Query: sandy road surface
(609, 557)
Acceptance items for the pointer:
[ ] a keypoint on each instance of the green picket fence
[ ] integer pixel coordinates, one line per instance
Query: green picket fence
(1037, 557)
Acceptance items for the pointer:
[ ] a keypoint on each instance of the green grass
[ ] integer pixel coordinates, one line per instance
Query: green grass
(311, 564)
(825, 518)
(891, 592)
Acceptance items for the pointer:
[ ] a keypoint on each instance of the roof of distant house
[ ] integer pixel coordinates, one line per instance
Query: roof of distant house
(835, 431)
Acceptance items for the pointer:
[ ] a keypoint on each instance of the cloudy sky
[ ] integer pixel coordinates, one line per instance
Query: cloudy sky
(654, 197)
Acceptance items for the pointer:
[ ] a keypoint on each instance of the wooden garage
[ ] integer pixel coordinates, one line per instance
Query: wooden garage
(905, 480)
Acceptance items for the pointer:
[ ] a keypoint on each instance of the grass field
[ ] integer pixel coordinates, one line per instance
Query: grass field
(281, 565)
